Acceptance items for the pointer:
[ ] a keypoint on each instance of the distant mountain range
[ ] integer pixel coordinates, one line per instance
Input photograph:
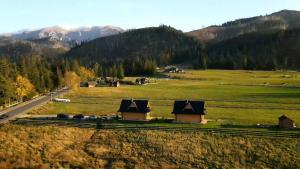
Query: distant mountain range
(57, 33)
(282, 20)
(263, 42)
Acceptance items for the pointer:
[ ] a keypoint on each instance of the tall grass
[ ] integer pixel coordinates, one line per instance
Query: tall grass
(30, 146)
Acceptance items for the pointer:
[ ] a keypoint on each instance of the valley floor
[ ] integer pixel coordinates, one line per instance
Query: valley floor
(236, 100)
(232, 97)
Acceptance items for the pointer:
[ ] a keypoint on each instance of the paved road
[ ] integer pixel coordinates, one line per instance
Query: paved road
(15, 111)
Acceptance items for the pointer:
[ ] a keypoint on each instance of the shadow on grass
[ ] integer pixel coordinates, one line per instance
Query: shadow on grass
(266, 127)
(276, 95)
(56, 122)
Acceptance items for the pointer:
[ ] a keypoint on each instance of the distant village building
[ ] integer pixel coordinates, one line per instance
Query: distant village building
(285, 122)
(189, 111)
(92, 84)
(135, 110)
(115, 83)
(142, 81)
(173, 70)
(89, 84)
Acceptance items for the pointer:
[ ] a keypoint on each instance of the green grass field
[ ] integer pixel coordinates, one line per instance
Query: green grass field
(236, 101)
(232, 97)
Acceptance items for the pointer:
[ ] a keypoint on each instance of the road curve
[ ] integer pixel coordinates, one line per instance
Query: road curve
(15, 111)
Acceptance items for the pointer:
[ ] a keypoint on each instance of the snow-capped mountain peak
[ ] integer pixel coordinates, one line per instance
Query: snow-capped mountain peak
(67, 35)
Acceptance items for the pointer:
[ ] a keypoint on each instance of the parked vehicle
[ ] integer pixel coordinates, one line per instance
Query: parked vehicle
(78, 116)
(62, 116)
(3, 116)
(92, 117)
(62, 100)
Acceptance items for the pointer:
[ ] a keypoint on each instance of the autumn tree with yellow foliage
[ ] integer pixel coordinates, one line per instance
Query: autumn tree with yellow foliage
(23, 87)
(72, 80)
(86, 74)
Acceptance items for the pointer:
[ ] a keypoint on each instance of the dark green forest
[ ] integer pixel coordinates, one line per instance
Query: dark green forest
(257, 51)
(140, 50)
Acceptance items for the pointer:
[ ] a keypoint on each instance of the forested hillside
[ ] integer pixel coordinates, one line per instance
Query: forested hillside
(261, 51)
(14, 48)
(282, 20)
(157, 45)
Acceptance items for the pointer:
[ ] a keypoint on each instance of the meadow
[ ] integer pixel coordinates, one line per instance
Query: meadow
(232, 97)
(27, 145)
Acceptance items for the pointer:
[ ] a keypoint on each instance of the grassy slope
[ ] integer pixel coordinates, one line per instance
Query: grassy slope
(234, 97)
(30, 146)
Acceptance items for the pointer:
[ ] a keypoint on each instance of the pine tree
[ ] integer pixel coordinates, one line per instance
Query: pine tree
(120, 71)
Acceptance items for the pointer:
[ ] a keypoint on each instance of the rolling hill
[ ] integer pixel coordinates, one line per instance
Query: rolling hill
(165, 44)
(260, 50)
(14, 48)
(282, 20)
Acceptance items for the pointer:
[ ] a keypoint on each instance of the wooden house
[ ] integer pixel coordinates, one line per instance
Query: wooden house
(92, 84)
(135, 110)
(189, 111)
(285, 122)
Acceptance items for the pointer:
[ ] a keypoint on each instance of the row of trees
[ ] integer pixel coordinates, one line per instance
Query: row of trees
(27, 76)
(31, 75)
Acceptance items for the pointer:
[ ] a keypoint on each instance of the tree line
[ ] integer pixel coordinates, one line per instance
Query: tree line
(23, 78)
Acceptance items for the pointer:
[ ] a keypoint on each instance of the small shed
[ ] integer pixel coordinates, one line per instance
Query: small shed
(92, 84)
(189, 111)
(285, 122)
(135, 110)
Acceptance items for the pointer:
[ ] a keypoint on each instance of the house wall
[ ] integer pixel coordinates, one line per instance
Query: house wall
(189, 118)
(286, 123)
(135, 116)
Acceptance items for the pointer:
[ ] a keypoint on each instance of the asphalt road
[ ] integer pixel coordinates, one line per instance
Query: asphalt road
(23, 108)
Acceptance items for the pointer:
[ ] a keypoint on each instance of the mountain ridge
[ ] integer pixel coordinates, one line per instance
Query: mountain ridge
(281, 20)
(62, 34)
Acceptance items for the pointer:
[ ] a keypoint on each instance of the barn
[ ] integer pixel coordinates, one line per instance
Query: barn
(189, 111)
(285, 122)
(135, 110)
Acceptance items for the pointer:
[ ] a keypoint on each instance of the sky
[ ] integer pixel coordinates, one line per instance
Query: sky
(186, 15)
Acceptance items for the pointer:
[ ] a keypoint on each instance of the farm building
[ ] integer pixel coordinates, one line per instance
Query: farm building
(92, 84)
(173, 70)
(135, 110)
(285, 122)
(189, 111)
(89, 84)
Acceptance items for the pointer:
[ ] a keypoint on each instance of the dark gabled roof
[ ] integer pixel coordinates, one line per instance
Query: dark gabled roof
(134, 106)
(189, 107)
(284, 117)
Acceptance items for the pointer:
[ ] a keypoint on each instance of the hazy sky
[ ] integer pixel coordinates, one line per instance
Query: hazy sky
(186, 15)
